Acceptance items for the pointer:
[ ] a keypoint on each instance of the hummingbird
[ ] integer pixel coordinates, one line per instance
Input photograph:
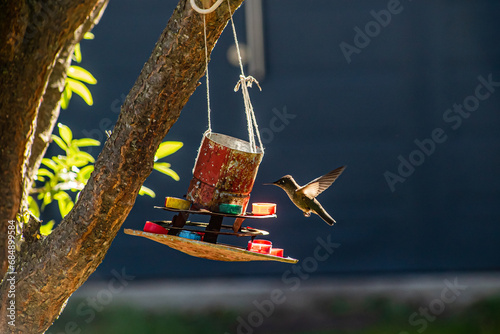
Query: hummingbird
(304, 197)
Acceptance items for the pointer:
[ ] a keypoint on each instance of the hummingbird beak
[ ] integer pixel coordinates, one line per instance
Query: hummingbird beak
(275, 183)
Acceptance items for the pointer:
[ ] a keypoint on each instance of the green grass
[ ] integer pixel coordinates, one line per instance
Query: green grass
(372, 316)
(125, 320)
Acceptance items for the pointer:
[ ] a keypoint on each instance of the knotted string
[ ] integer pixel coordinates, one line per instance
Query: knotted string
(244, 82)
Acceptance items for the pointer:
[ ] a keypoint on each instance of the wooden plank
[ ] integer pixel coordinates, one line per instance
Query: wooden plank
(201, 249)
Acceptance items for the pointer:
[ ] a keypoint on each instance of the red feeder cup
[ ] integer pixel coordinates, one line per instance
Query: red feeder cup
(154, 228)
(263, 209)
(277, 252)
(260, 246)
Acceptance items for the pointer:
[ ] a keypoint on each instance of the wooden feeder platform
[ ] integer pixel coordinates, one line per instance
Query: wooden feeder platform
(209, 248)
(206, 250)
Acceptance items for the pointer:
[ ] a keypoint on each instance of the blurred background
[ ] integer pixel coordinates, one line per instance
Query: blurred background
(405, 93)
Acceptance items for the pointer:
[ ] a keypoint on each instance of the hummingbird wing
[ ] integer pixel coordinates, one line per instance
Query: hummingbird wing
(320, 184)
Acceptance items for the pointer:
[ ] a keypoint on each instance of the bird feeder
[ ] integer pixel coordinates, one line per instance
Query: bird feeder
(224, 172)
(223, 178)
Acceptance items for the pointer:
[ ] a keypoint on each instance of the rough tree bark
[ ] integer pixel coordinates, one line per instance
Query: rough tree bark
(35, 36)
(55, 266)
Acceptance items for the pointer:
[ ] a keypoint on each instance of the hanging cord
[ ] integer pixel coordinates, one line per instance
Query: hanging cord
(204, 12)
(244, 83)
(209, 130)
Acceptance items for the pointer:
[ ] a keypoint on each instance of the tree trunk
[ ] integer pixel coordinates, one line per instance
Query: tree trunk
(54, 267)
(35, 36)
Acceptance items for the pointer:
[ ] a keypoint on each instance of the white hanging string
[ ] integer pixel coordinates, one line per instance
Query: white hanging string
(204, 12)
(209, 130)
(244, 83)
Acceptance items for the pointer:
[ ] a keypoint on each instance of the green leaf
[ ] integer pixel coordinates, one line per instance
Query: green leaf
(79, 73)
(167, 148)
(39, 178)
(65, 133)
(85, 142)
(146, 191)
(61, 161)
(51, 164)
(59, 141)
(80, 159)
(46, 229)
(45, 172)
(79, 162)
(77, 53)
(47, 199)
(66, 97)
(81, 155)
(88, 35)
(163, 167)
(80, 89)
(65, 203)
(84, 174)
(33, 207)
(73, 149)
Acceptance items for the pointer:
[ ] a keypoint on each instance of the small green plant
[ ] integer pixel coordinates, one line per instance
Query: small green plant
(166, 148)
(77, 77)
(67, 174)
(62, 174)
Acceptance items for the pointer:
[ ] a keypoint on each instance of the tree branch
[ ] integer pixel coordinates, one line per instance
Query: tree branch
(35, 35)
(13, 22)
(50, 107)
(49, 113)
(78, 245)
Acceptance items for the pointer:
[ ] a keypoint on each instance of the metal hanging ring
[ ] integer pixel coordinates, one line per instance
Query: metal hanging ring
(205, 11)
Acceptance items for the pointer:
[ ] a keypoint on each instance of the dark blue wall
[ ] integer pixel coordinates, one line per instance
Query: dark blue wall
(365, 114)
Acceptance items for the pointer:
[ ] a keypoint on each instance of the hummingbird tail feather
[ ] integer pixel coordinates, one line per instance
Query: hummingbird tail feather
(326, 217)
